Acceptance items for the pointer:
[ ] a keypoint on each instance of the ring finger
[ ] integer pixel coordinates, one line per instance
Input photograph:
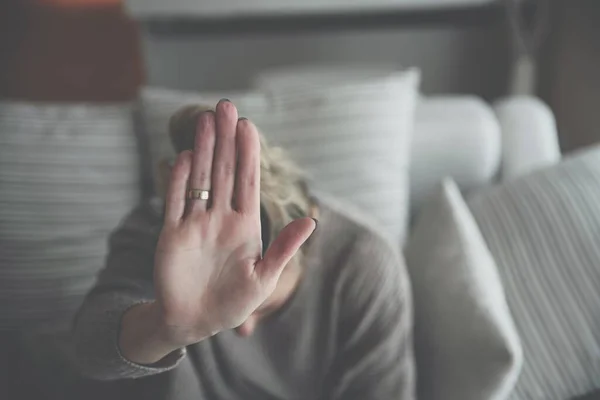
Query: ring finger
(204, 147)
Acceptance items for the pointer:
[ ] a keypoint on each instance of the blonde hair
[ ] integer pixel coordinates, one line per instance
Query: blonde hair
(283, 191)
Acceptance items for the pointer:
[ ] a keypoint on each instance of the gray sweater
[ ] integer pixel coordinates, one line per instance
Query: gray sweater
(346, 333)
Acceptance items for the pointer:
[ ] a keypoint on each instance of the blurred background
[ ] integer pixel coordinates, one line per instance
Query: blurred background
(461, 46)
(482, 91)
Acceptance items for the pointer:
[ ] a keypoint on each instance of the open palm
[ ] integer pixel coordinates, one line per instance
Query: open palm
(209, 275)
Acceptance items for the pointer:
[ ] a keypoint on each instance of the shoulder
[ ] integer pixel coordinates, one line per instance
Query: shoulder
(364, 274)
(354, 249)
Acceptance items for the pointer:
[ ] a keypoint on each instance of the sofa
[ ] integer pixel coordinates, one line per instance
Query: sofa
(471, 146)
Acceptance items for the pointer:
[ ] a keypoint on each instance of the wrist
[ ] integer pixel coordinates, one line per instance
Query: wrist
(176, 333)
(143, 338)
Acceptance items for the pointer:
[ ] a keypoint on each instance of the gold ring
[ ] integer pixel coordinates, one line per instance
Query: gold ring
(198, 194)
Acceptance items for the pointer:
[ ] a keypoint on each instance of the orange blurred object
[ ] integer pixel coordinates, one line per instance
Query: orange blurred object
(79, 3)
(61, 51)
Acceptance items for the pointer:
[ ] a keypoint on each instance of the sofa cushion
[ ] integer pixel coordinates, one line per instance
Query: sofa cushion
(529, 135)
(465, 124)
(350, 129)
(466, 343)
(544, 233)
(68, 174)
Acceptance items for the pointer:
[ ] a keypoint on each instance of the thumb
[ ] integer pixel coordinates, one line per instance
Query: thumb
(284, 247)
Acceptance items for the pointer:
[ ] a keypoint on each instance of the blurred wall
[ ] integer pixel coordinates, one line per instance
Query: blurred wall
(571, 67)
(453, 59)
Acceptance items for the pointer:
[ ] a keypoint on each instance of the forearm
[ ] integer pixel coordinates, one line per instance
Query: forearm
(97, 333)
(123, 285)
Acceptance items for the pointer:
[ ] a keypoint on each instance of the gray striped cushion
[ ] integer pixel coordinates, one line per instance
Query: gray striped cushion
(350, 130)
(68, 174)
(544, 232)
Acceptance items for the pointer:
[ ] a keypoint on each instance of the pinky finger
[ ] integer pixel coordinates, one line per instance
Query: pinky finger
(175, 198)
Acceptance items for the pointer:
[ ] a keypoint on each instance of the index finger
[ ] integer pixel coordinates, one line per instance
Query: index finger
(247, 183)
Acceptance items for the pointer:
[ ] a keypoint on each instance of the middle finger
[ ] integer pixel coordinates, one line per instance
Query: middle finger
(224, 163)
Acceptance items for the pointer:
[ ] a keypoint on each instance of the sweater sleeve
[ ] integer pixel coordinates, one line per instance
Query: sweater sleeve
(374, 355)
(125, 281)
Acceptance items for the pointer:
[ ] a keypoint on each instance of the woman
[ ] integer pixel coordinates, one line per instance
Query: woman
(330, 319)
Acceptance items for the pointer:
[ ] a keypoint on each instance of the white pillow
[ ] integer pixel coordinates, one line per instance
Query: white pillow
(158, 105)
(466, 344)
(350, 129)
(543, 230)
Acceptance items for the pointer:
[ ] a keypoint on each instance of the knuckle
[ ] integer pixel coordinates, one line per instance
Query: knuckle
(227, 169)
(252, 181)
(203, 177)
(248, 271)
(169, 230)
(194, 227)
(249, 181)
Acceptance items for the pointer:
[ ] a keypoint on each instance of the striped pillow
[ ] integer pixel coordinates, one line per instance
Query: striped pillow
(68, 175)
(544, 233)
(350, 129)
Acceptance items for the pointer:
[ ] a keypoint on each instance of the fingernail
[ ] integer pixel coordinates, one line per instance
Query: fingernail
(242, 119)
(204, 116)
(316, 223)
(223, 100)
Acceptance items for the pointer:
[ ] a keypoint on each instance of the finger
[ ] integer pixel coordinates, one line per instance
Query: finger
(204, 148)
(176, 193)
(247, 175)
(284, 247)
(224, 162)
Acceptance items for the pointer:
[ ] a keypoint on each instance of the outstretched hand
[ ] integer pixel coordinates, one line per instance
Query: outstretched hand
(209, 275)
